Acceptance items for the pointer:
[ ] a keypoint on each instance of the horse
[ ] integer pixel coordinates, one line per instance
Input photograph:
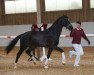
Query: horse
(48, 38)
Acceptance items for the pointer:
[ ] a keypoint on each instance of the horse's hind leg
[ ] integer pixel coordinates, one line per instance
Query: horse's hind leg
(48, 56)
(19, 54)
(63, 55)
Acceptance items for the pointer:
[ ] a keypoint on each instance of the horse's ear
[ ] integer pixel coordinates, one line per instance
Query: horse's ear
(65, 16)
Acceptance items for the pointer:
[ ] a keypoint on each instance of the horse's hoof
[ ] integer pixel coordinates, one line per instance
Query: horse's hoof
(63, 62)
(28, 62)
(15, 67)
(45, 66)
(50, 59)
(34, 63)
(41, 59)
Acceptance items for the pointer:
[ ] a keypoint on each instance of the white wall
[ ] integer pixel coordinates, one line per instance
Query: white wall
(12, 31)
(18, 29)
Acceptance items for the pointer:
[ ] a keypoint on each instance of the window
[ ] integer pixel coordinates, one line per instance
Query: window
(20, 6)
(54, 5)
(91, 3)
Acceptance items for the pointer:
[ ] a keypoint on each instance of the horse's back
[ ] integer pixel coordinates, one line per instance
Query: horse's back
(25, 37)
(41, 38)
(37, 38)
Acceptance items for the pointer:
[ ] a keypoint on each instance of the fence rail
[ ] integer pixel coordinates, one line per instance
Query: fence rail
(8, 37)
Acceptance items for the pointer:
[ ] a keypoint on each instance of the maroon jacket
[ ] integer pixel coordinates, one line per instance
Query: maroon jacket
(44, 26)
(34, 27)
(77, 34)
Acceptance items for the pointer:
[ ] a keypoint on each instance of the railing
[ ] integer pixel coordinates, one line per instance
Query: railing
(8, 37)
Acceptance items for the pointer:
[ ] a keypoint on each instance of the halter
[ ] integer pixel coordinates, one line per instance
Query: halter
(68, 26)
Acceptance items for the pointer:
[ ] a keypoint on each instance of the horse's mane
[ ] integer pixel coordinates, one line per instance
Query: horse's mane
(58, 21)
(56, 27)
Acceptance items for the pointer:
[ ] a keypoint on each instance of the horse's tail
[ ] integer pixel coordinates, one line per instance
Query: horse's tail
(12, 43)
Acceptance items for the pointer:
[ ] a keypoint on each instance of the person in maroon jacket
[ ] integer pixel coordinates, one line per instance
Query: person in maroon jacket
(76, 34)
(44, 27)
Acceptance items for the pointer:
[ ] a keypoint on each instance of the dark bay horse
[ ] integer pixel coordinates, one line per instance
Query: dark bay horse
(48, 38)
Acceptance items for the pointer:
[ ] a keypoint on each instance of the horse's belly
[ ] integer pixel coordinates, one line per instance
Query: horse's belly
(43, 41)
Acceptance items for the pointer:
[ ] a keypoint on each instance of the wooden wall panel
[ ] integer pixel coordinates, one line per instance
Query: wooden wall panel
(90, 14)
(73, 15)
(19, 19)
(85, 14)
(1, 11)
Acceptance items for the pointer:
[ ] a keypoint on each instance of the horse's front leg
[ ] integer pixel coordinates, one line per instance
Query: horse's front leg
(63, 54)
(48, 56)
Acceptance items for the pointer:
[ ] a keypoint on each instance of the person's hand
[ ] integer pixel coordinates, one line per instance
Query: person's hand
(67, 35)
(88, 42)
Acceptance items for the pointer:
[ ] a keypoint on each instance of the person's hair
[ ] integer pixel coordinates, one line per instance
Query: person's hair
(79, 22)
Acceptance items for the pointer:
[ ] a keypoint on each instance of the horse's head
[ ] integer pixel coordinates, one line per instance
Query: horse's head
(66, 23)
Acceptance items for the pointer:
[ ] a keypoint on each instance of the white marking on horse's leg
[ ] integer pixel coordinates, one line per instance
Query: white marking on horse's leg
(43, 58)
(34, 59)
(46, 63)
(44, 55)
(50, 59)
(15, 65)
(63, 58)
(44, 51)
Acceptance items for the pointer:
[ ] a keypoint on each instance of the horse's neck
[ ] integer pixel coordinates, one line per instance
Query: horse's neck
(56, 30)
